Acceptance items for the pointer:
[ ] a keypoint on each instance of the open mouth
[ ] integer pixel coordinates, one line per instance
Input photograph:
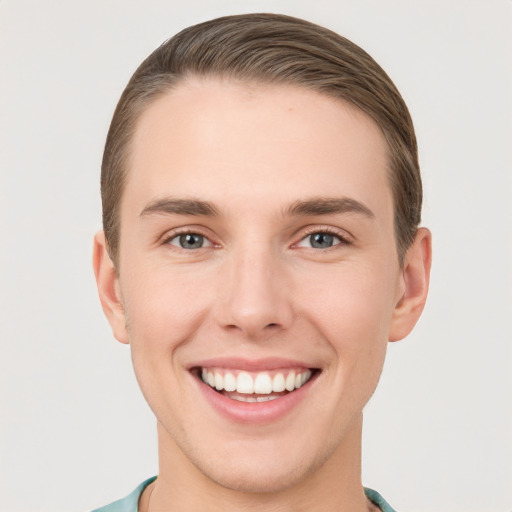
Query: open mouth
(245, 386)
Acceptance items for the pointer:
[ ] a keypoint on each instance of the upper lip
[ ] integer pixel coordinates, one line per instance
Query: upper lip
(239, 363)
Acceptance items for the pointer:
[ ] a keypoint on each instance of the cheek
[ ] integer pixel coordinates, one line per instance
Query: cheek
(355, 305)
(164, 311)
(353, 315)
(163, 308)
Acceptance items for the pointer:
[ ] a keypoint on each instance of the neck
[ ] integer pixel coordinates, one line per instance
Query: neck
(333, 486)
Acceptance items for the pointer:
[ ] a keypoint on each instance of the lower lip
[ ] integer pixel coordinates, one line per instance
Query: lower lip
(254, 412)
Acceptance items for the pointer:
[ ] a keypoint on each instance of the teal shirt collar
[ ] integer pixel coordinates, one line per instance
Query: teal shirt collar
(131, 502)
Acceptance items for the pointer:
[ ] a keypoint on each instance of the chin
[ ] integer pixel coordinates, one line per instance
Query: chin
(261, 469)
(248, 477)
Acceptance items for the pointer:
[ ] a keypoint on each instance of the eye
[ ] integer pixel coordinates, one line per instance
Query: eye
(190, 241)
(321, 240)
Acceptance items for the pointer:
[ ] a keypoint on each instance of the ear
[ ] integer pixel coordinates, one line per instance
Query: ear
(415, 279)
(109, 289)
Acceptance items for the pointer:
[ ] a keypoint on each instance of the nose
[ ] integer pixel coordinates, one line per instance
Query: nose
(255, 299)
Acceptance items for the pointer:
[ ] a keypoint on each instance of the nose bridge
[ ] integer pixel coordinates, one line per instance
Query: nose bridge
(255, 298)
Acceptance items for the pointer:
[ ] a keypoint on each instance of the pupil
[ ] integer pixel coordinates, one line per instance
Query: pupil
(321, 240)
(191, 241)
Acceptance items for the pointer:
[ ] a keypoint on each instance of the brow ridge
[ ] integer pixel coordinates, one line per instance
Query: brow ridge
(169, 205)
(310, 207)
(328, 206)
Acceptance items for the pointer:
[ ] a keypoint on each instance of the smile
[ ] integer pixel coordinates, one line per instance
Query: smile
(255, 391)
(247, 386)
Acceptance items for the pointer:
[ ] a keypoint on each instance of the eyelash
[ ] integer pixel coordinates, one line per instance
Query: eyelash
(343, 240)
(184, 232)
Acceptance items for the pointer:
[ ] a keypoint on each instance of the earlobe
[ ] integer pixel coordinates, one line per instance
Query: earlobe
(107, 281)
(415, 283)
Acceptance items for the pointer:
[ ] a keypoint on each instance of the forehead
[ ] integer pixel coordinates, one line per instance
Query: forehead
(223, 139)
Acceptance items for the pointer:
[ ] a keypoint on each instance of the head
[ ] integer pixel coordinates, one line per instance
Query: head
(261, 204)
(269, 49)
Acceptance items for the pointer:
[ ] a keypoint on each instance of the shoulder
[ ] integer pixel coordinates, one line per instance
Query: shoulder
(378, 500)
(129, 503)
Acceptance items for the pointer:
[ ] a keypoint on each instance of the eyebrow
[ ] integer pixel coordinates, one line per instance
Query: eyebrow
(180, 207)
(329, 206)
(312, 207)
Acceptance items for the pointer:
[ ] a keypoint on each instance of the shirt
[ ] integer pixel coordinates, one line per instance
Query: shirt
(131, 502)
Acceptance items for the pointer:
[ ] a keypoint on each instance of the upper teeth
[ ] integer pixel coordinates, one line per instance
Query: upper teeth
(260, 383)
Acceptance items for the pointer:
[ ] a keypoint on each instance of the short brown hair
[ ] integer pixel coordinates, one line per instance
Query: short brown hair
(277, 49)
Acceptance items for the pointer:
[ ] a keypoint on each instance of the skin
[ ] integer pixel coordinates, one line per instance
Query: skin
(258, 288)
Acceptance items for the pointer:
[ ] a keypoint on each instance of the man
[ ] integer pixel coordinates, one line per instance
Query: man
(261, 203)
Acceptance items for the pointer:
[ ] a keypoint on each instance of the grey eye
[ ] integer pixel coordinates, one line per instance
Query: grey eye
(321, 240)
(190, 241)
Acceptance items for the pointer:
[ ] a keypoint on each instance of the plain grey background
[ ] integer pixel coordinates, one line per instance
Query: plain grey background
(75, 430)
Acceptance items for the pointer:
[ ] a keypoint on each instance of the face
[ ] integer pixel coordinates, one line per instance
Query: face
(258, 279)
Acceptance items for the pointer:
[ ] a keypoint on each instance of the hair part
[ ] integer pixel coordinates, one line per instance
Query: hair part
(270, 49)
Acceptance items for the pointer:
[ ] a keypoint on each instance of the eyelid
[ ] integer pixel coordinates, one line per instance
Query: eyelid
(206, 242)
(344, 237)
(186, 230)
